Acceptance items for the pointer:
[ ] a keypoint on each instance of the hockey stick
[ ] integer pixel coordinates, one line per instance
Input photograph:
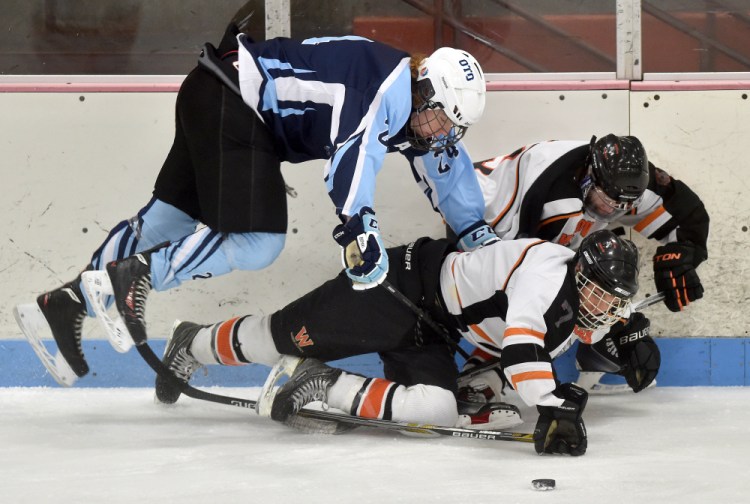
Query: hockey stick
(162, 370)
(353, 256)
(649, 301)
(423, 315)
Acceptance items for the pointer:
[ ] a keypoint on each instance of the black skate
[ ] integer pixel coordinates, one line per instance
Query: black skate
(62, 310)
(131, 283)
(308, 382)
(179, 360)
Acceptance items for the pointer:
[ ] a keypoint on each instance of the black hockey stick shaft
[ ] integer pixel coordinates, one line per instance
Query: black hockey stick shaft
(651, 300)
(354, 256)
(162, 370)
(423, 315)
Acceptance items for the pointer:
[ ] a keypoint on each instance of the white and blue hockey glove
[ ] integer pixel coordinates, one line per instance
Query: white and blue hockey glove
(362, 250)
(477, 235)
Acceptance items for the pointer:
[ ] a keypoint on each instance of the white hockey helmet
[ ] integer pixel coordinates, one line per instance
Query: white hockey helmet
(453, 80)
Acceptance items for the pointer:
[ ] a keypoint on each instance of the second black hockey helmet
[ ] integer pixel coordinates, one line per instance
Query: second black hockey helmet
(617, 176)
(606, 277)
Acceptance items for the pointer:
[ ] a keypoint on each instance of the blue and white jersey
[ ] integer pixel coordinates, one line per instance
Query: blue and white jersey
(447, 179)
(348, 100)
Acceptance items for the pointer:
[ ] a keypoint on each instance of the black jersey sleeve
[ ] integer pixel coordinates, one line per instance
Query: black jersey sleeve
(689, 216)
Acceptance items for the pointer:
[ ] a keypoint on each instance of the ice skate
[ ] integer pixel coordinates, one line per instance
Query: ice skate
(131, 283)
(58, 313)
(179, 360)
(478, 410)
(309, 380)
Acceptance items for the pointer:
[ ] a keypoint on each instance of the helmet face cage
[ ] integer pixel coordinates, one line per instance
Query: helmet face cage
(450, 91)
(434, 125)
(599, 205)
(597, 308)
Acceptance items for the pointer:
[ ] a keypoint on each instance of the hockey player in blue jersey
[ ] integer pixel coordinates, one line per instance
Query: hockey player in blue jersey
(242, 111)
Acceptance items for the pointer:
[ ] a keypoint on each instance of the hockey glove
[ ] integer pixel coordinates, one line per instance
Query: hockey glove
(362, 250)
(639, 354)
(477, 235)
(627, 350)
(561, 429)
(675, 275)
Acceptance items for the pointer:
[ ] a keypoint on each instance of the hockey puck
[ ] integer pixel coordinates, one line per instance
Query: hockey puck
(543, 485)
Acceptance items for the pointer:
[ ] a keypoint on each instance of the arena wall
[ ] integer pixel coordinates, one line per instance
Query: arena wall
(77, 162)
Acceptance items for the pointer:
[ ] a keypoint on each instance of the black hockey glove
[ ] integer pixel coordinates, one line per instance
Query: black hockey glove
(561, 429)
(642, 364)
(639, 355)
(675, 275)
(362, 250)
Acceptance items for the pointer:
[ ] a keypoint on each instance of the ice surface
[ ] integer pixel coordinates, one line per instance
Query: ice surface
(681, 445)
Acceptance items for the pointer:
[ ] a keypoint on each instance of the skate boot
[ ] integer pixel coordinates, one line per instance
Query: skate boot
(308, 383)
(179, 360)
(65, 309)
(131, 283)
(478, 410)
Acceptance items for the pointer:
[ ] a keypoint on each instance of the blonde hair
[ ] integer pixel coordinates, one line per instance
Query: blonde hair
(416, 60)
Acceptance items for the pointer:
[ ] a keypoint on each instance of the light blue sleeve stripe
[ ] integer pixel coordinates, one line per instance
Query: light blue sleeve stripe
(390, 116)
(455, 190)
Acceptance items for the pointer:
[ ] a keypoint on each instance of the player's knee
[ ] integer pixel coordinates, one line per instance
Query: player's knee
(253, 251)
(428, 404)
(159, 222)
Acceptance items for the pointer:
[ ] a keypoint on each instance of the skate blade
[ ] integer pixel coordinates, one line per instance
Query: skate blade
(501, 419)
(284, 367)
(98, 287)
(590, 381)
(33, 324)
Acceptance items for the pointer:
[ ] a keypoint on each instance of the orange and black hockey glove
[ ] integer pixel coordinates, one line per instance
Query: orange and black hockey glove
(675, 275)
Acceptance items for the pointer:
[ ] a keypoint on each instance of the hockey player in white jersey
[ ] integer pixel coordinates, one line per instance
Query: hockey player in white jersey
(524, 301)
(242, 111)
(563, 190)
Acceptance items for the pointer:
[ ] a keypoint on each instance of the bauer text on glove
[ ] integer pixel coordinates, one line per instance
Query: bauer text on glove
(639, 355)
(627, 350)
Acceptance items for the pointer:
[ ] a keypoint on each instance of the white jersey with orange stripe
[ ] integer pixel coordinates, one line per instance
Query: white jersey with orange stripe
(535, 191)
(510, 182)
(518, 300)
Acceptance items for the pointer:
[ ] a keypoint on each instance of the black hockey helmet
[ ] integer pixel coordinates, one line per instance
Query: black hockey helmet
(606, 277)
(617, 176)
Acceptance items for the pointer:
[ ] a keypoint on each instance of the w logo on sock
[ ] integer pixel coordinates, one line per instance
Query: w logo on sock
(302, 339)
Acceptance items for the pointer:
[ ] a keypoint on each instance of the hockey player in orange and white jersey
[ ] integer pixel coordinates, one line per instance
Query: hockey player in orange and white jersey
(563, 190)
(524, 301)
